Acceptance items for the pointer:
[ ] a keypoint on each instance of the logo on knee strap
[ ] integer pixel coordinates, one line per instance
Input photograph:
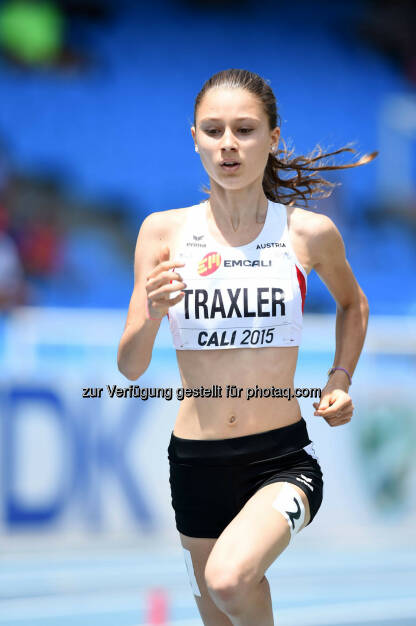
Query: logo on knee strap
(294, 516)
(289, 503)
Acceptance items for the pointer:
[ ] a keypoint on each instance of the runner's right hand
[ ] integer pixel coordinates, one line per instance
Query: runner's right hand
(159, 287)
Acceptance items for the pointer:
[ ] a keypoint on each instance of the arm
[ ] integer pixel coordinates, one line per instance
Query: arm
(331, 265)
(136, 344)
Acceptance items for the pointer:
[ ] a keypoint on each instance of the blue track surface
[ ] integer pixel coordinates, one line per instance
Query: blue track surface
(110, 588)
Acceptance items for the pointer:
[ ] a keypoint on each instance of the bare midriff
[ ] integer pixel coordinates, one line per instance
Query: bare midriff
(241, 369)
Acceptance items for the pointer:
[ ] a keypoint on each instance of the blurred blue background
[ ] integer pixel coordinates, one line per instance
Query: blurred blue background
(96, 104)
(101, 139)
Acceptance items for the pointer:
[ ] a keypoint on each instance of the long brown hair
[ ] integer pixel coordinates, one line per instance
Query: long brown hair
(305, 183)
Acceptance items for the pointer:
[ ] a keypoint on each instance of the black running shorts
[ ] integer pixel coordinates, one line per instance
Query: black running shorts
(212, 479)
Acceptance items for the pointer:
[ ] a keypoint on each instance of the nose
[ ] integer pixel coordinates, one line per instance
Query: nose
(228, 140)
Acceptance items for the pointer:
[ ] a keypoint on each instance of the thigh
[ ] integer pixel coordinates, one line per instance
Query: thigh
(269, 534)
(257, 488)
(196, 553)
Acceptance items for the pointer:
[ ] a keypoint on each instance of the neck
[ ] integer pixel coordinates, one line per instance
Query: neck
(237, 208)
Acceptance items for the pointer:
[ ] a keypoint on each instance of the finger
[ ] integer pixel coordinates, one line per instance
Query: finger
(336, 409)
(343, 408)
(337, 422)
(163, 278)
(326, 401)
(325, 404)
(176, 299)
(165, 289)
(161, 304)
(341, 415)
(329, 413)
(165, 265)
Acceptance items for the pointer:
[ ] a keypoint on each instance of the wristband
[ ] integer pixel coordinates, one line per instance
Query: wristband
(155, 319)
(332, 370)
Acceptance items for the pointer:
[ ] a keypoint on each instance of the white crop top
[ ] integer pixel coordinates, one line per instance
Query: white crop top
(248, 296)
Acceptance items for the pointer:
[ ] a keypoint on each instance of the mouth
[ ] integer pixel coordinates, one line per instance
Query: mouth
(230, 165)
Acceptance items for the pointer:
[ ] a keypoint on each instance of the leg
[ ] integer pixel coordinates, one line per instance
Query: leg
(200, 549)
(244, 551)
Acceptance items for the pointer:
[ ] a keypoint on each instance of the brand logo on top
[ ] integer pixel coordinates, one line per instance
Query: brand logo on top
(196, 243)
(209, 263)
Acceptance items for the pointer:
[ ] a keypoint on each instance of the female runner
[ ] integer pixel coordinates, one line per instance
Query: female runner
(244, 475)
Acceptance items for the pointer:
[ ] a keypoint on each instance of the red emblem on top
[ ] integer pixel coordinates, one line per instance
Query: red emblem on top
(209, 263)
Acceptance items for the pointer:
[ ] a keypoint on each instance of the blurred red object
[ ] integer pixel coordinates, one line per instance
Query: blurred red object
(39, 248)
(4, 218)
(157, 609)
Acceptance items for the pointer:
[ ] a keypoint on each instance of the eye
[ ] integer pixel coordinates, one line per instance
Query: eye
(212, 131)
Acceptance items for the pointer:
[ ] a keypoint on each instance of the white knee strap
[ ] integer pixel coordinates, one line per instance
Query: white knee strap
(191, 572)
(290, 505)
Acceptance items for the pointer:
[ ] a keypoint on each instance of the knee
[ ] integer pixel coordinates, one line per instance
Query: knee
(228, 585)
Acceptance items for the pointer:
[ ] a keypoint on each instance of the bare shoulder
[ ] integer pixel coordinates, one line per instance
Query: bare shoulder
(163, 223)
(314, 234)
(162, 228)
(303, 222)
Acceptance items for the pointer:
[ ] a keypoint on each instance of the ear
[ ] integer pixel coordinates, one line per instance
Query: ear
(276, 135)
(193, 132)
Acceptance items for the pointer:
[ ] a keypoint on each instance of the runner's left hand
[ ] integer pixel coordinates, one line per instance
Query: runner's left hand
(335, 406)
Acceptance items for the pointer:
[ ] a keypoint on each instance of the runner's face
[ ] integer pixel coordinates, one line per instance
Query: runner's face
(231, 125)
